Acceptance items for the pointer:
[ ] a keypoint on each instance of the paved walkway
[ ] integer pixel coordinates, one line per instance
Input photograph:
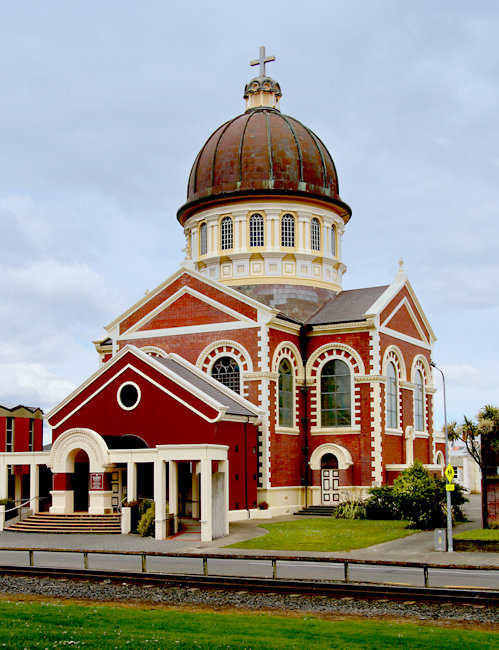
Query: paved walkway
(415, 548)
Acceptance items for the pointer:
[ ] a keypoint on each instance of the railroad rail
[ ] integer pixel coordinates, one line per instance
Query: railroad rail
(273, 583)
(269, 585)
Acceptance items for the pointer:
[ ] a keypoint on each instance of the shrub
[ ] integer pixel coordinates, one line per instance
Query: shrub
(418, 498)
(263, 505)
(382, 504)
(9, 503)
(457, 500)
(350, 510)
(146, 523)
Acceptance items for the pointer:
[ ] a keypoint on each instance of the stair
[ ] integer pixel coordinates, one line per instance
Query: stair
(316, 511)
(44, 522)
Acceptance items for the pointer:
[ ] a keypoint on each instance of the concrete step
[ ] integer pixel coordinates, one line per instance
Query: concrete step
(316, 511)
(73, 523)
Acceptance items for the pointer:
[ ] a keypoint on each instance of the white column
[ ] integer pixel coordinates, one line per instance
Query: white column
(131, 481)
(206, 514)
(223, 466)
(173, 491)
(17, 482)
(160, 498)
(195, 492)
(34, 490)
(4, 481)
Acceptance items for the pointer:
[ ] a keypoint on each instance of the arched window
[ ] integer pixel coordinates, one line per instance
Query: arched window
(391, 398)
(203, 239)
(315, 234)
(419, 402)
(226, 371)
(335, 394)
(256, 230)
(285, 394)
(329, 461)
(333, 240)
(288, 230)
(226, 230)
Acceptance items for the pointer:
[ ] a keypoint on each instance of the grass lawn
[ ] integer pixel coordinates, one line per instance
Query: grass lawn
(479, 533)
(326, 534)
(54, 624)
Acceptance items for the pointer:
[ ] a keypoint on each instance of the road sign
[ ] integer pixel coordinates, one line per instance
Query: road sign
(449, 487)
(449, 472)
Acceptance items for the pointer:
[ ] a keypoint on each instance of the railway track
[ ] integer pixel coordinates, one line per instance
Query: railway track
(300, 587)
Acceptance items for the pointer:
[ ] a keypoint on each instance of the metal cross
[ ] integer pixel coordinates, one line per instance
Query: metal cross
(262, 60)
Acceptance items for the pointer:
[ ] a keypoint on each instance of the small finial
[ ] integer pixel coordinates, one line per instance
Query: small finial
(401, 265)
(262, 60)
(146, 292)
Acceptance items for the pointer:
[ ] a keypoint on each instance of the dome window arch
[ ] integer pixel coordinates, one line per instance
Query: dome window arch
(391, 397)
(256, 229)
(227, 234)
(419, 402)
(226, 371)
(286, 394)
(336, 403)
(333, 240)
(203, 239)
(288, 231)
(315, 234)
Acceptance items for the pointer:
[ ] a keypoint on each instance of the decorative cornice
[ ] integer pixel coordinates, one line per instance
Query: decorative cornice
(256, 376)
(363, 379)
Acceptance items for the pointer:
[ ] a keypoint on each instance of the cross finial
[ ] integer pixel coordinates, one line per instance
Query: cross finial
(262, 60)
(401, 265)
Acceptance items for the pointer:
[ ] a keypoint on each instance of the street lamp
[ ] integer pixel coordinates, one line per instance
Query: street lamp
(447, 461)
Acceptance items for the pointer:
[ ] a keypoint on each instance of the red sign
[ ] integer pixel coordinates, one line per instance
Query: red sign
(96, 481)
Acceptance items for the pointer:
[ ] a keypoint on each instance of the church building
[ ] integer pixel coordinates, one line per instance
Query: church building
(249, 383)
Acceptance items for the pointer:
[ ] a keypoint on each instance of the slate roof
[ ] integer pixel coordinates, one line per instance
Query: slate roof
(32, 409)
(233, 407)
(347, 306)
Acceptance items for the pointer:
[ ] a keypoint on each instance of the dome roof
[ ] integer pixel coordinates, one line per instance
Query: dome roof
(262, 152)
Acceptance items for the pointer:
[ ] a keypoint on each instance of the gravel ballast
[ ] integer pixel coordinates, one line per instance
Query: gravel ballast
(279, 603)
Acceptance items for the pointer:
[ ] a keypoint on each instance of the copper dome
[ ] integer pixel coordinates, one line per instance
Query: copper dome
(262, 152)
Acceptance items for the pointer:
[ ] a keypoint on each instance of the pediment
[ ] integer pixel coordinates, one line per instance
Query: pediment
(403, 320)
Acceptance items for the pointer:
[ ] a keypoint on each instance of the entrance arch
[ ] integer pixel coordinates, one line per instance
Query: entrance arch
(79, 460)
(330, 459)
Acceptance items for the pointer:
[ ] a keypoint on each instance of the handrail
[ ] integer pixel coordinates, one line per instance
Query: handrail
(204, 557)
(21, 504)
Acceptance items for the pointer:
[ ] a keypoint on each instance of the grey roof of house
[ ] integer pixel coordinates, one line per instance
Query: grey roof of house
(347, 306)
(233, 407)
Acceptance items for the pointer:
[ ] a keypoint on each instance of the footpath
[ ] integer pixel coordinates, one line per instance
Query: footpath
(414, 548)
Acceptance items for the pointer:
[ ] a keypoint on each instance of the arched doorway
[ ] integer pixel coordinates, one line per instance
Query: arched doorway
(81, 481)
(330, 480)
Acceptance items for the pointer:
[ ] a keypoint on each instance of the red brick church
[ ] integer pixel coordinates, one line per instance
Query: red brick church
(249, 378)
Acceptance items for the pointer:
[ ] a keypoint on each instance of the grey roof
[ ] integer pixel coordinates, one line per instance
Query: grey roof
(347, 306)
(233, 407)
(32, 409)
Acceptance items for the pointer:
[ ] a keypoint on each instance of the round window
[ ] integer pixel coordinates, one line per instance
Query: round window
(128, 395)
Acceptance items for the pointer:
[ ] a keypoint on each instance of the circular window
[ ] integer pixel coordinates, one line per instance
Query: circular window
(128, 395)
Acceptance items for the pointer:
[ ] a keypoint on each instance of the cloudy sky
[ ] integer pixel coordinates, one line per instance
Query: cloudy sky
(106, 104)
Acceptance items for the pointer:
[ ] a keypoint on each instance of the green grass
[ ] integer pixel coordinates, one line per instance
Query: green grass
(326, 534)
(479, 533)
(55, 625)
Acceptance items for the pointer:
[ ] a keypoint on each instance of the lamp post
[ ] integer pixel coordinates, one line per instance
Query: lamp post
(447, 461)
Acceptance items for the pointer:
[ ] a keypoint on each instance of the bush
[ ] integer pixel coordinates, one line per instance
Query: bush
(9, 503)
(381, 503)
(350, 510)
(419, 498)
(457, 500)
(146, 526)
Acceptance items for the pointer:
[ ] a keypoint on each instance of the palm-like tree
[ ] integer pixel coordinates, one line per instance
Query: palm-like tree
(481, 437)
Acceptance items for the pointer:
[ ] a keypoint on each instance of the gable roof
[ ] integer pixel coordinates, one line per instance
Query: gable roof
(232, 406)
(184, 374)
(348, 306)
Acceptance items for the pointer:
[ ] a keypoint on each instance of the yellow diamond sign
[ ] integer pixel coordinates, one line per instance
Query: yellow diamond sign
(449, 472)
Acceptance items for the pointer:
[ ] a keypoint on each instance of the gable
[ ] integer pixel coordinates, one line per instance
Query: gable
(223, 299)
(186, 309)
(402, 320)
(97, 399)
(402, 315)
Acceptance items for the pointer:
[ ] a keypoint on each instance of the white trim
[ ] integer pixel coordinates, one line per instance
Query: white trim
(187, 329)
(342, 454)
(404, 337)
(406, 303)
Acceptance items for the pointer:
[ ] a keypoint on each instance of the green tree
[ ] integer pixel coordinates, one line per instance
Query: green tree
(481, 437)
(417, 497)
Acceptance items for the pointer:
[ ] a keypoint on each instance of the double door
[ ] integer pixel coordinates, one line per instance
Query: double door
(330, 480)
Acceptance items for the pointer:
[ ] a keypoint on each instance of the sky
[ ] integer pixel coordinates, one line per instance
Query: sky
(105, 106)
